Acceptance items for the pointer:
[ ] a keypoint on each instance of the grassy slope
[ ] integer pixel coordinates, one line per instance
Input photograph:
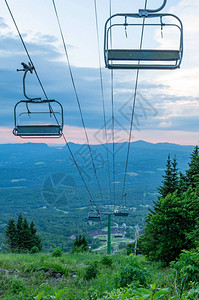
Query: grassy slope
(23, 276)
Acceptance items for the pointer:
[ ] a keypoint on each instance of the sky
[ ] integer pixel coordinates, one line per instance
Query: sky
(167, 105)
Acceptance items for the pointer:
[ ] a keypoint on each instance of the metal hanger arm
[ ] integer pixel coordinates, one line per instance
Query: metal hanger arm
(26, 69)
(158, 9)
(146, 11)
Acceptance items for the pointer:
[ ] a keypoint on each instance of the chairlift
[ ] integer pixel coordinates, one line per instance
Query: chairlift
(134, 58)
(119, 233)
(37, 118)
(121, 212)
(29, 123)
(94, 215)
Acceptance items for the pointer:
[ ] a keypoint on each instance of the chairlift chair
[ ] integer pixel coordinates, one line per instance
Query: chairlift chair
(121, 58)
(94, 215)
(30, 123)
(119, 233)
(121, 212)
(30, 115)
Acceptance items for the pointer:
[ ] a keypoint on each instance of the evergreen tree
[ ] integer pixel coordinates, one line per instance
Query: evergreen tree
(167, 232)
(174, 176)
(79, 241)
(35, 239)
(171, 180)
(22, 236)
(37, 242)
(10, 234)
(76, 242)
(80, 244)
(182, 184)
(19, 233)
(32, 228)
(169, 185)
(166, 183)
(173, 223)
(27, 236)
(84, 243)
(192, 174)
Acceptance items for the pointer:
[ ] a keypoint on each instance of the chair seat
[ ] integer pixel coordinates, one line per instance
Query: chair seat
(94, 218)
(121, 214)
(38, 130)
(143, 55)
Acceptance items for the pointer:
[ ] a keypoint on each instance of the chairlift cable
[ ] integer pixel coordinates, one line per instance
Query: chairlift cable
(21, 38)
(77, 97)
(78, 168)
(113, 131)
(110, 13)
(102, 93)
(133, 109)
(66, 142)
(112, 113)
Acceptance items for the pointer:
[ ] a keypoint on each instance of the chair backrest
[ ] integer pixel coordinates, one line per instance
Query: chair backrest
(35, 120)
(120, 56)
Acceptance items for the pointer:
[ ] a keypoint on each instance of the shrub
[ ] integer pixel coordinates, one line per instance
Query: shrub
(130, 248)
(57, 252)
(34, 250)
(186, 269)
(80, 244)
(107, 260)
(57, 295)
(92, 294)
(91, 271)
(79, 249)
(55, 267)
(192, 294)
(17, 285)
(126, 293)
(132, 272)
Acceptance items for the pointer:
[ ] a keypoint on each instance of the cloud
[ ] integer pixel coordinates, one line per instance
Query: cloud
(183, 82)
(169, 99)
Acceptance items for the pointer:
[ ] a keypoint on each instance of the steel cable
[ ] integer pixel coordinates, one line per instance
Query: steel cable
(133, 109)
(29, 57)
(77, 97)
(102, 94)
(112, 111)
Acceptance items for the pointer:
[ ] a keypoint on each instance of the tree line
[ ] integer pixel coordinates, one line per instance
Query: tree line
(22, 236)
(172, 225)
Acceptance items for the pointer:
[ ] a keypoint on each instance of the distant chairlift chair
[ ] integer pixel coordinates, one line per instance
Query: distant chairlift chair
(121, 212)
(119, 233)
(31, 123)
(142, 58)
(94, 215)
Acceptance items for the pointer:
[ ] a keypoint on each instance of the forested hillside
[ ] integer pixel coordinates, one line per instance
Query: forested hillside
(161, 262)
(27, 172)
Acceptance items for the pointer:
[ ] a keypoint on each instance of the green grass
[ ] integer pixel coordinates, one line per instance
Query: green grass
(28, 275)
(24, 276)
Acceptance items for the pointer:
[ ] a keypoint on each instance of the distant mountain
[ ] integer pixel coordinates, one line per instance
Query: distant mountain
(29, 164)
(37, 180)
